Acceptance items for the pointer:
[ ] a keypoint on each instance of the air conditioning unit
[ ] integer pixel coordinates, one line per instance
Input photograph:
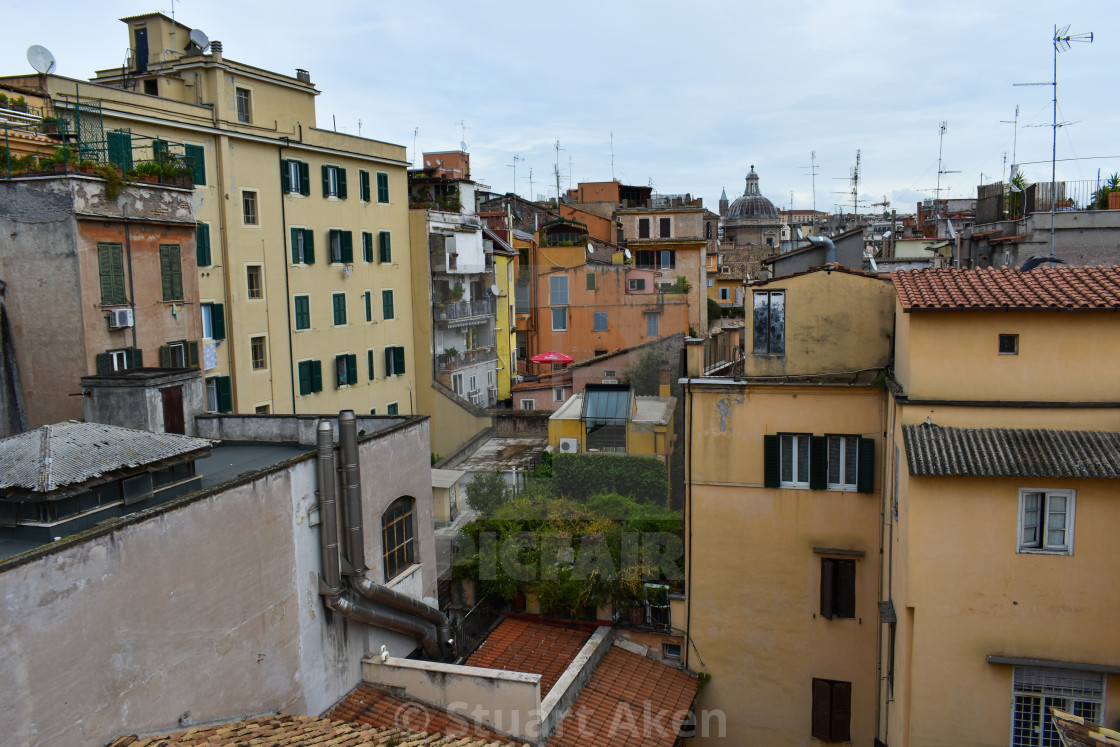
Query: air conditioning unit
(119, 318)
(569, 446)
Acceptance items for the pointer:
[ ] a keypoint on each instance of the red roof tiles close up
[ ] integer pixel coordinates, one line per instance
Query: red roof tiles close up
(372, 706)
(1008, 289)
(531, 647)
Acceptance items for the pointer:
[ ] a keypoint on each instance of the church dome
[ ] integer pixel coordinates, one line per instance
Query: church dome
(752, 204)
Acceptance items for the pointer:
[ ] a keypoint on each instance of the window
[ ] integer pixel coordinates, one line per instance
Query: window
(212, 394)
(303, 312)
(528, 404)
(369, 306)
(244, 109)
(387, 304)
(668, 259)
(171, 272)
(724, 294)
(118, 360)
(369, 364)
(391, 408)
(590, 281)
(310, 377)
(382, 187)
(253, 282)
(600, 324)
(110, 264)
(559, 320)
(832, 710)
(843, 452)
(179, 354)
(473, 385)
(341, 245)
(397, 537)
(213, 321)
(1009, 344)
(346, 370)
(202, 245)
(769, 241)
(394, 361)
(636, 284)
(303, 246)
(794, 461)
(558, 394)
(1046, 521)
(249, 207)
(643, 228)
(339, 302)
(196, 159)
(711, 282)
(262, 409)
(334, 182)
(1035, 689)
(838, 587)
(664, 226)
(670, 651)
(558, 290)
(363, 185)
(457, 384)
(769, 322)
(384, 247)
(651, 325)
(661, 259)
(367, 246)
(257, 353)
(521, 298)
(295, 177)
(219, 395)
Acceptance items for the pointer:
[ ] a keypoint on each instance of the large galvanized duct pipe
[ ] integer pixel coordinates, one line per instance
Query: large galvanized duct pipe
(328, 510)
(829, 247)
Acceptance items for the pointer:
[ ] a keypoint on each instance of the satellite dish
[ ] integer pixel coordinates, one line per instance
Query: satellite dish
(590, 249)
(495, 291)
(626, 253)
(200, 40)
(887, 235)
(799, 234)
(40, 58)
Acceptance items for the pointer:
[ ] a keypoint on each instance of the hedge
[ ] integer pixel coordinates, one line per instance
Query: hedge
(581, 475)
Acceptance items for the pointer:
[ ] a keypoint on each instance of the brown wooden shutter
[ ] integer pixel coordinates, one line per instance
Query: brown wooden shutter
(822, 709)
(845, 583)
(828, 589)
(840, 726)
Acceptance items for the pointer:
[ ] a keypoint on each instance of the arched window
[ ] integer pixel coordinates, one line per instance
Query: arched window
(398, 537)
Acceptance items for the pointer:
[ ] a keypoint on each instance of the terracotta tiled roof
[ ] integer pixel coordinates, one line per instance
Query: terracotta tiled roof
(630, 700)
(1007, 289)
(531, 647)
(368, 705)
(297, 731)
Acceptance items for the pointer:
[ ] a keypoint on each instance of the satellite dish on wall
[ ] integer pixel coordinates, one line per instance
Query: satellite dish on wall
(626, 253)
(495, 291)
(41, 59)
(590, 249)
(199, 40)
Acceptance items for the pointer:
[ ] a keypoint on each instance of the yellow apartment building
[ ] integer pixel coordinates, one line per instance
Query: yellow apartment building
(610, 418)
(781, 513)
(506, 262)
(1000, 515)
(302, 237)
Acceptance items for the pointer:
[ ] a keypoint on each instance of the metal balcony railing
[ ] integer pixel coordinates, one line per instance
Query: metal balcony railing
(444, 312)
(448, 362)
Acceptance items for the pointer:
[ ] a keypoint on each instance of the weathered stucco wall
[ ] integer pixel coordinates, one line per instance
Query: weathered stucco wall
(201, 610)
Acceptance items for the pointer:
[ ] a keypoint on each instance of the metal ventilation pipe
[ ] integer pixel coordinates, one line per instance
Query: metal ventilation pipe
(830, 248)
(352, 491)
(328, 514)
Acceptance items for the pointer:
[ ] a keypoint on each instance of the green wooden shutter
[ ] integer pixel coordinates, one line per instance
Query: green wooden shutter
(818, 462)
(197, 156)
(382, 187)
(369, 362)
(341, 183)
(347, 247)
(387, 304)
(398, 360)
(135, 358)
(202, 244)
(304, 179)
(165, 356)
(590, 281)
(225, 394)
(326, 181)
(352, 369)
(369, 307)
(367, 246)
(304, 368)
(104, 363)
(295, 245)
(285, 184)
(192, 353)
(316, 376)
(772, 456)
(363, 185)
(309, 246)
(385, 248)
(105, 270)
(828, 587)
(866, 480)
(119, 144)
(165, 273)
(218, 321)
(389, 361)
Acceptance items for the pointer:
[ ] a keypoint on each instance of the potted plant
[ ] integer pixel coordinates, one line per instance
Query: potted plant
(113, 181)
(457, 292)
(87, 166)
(149, 171)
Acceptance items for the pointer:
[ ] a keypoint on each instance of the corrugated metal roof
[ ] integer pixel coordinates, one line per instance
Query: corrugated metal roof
(54, 456)
(935, 451)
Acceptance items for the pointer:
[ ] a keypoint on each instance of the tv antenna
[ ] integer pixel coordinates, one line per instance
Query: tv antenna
(854, 179)
(513, 166)
(556, 171)
(532, 197)
(463, 143)
(41, 59)
(813, 173)
(415, 132)
(1062, 40)
(1015, 140)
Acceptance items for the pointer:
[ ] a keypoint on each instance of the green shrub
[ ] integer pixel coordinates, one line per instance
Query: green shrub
(579, 476)
(487, 491)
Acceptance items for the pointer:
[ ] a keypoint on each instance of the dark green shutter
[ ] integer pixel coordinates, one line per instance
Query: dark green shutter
(225, 394)
(171, 273)
(367, 246)
(217, 321)
(192, 353)
(119, 143)
(295, 245)
(202, 244)
(369, 362)
(818, 462)
(363, 185)
(165, 356)
(590, 281)
(352, 369)
(387, 304)
(866, 480)
(135, 358)
(369, 307)
(304, 179)
(326, 181)
(341, 183)
(316, 376)
(105, 269)
(828, 584)
(197, 156)
(347, 247)
(382, 187)
(772, 456)
(285, 184)
(304, 369)
(388, 361)
(308, 246)
(398, 360)
(385, 248)
(104, 363)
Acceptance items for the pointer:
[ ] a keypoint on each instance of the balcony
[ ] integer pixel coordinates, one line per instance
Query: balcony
(449, 362)
(463, 311)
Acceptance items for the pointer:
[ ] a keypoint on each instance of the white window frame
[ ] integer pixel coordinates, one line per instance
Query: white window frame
(332, 180)
(248, 98)
(528, 404)
(207, 309)
(563, 311)
(636, 284)
(249, 266)
(301, 245)
(211, 393)
(293, 177)
(118, 360)
(256, 216)
(457, 384)
(847, 481)
(558, 394)
(711, 282)
(334, 235)
(178, 350)
(558, 296)
(797, 441)
(1041, 545)
(1033, 689)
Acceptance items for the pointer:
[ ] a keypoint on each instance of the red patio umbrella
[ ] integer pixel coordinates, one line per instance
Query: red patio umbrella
(551, 356)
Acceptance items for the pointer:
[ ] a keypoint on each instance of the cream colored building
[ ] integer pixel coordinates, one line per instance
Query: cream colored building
(303, 261)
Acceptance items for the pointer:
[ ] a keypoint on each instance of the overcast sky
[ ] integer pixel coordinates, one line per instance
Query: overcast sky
(694, 93)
